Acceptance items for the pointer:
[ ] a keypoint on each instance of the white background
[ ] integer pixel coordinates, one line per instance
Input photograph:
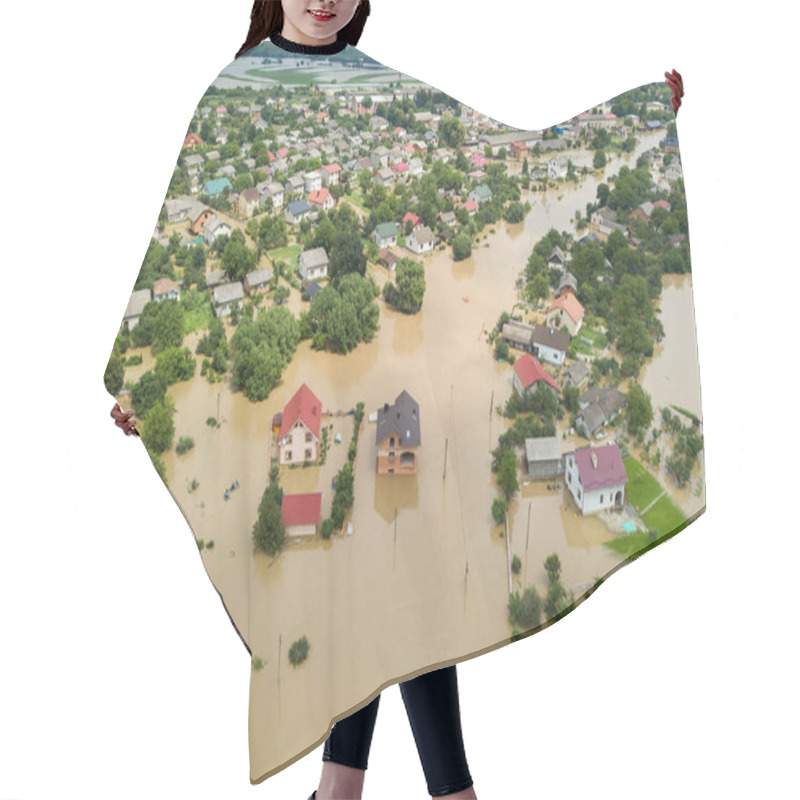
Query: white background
(120, 673)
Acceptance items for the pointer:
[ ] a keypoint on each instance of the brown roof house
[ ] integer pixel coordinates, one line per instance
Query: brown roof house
(249, 201)
(550, 344)
(398, 436)
(298, 439)
(166, 289)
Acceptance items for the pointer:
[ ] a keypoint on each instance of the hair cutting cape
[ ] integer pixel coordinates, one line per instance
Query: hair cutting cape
(417, 380)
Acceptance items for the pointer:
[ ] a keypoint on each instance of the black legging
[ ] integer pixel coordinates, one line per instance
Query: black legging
(432, 706)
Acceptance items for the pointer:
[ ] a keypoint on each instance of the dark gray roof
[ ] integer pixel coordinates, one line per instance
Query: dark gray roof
(402, 418)
(567, 279)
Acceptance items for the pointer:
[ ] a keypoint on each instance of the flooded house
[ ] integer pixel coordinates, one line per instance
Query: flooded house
(518, 334)
(529, 373)
(300, 513)
(385, 234)
(567, 310)
(225, 295)
(397, 436)
(138, 300)
(599, 406)
(480, 194)
(596, 477)
(420, 240)
(568, 283)
(576, 374)
(550, 344)
(298, 438)
(313, 264)
(386, 258)
(557, 259)
(543, 457)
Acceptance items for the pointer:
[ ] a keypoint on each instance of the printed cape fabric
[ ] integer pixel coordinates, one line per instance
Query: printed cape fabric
(418, 381)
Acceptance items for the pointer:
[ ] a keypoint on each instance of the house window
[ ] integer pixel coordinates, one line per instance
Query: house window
(601, 498)
(288, 455)
(391, 442)
(308, 436)
(579, 494)
(391, 457)
(308, 452)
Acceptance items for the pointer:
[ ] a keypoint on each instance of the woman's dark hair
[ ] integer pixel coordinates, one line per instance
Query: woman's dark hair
(266, 18)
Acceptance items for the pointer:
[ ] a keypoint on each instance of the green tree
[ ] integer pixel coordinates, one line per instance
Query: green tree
(507, 474)
(462, 246)
(552, 565)
(638, 409)
(158, 429)
(269, 532)
(525, 610)
(114, 375)
(406, 295)
(175, 364)
(499, 508)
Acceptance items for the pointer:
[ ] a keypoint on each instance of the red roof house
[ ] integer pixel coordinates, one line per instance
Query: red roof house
(528, 372)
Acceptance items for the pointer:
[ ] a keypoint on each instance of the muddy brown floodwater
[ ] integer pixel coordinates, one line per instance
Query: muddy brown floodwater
(426, 569)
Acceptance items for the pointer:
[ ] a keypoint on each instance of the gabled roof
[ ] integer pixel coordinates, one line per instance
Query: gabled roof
(303, 405)
(529, 370)
(570, 304)
(600, 466)
(301, 509)
(402, 418)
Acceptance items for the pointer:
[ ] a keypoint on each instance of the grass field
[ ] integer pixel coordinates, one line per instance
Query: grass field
(288, 254)
(642, 488)
(663, 517)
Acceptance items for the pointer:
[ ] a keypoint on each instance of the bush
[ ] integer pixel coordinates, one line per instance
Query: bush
(298, 652)
(185, 443)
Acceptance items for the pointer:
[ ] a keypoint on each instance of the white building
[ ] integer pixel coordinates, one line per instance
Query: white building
(596, 477)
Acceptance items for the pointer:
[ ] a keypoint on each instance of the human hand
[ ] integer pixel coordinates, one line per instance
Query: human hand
(124, 420)
(675, 82)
